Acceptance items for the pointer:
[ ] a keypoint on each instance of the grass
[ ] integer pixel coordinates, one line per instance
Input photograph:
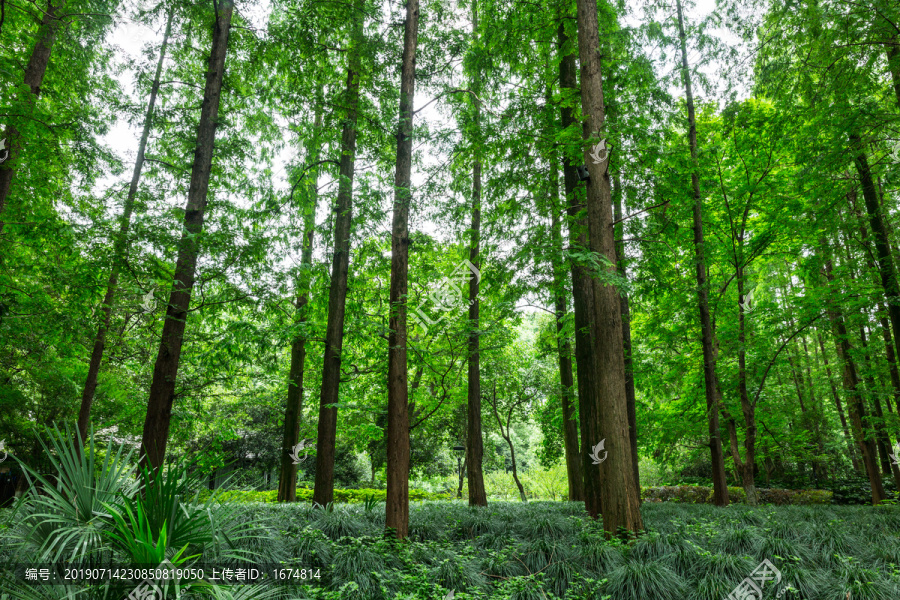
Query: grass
(552, 551)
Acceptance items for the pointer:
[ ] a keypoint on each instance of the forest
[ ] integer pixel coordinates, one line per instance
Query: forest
(449, 299)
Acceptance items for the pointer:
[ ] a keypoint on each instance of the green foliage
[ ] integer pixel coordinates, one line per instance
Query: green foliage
(700, 494)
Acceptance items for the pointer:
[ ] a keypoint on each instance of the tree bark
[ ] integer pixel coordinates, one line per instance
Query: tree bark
(474, 441)
(582, 290)
(397, 505)
(165, 371)
(326, 439)
(120, 248)
(608, 418)
(630, 396)
(855, 402)
(748, 407)
(564, 349)
(34, 78)
(717, 455)
(883, 257)
(287, 476)
(840, 409)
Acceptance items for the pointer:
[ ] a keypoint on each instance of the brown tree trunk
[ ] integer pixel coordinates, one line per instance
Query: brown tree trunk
(165, 371)
(505, 433)
(287, 476)
(720, 484)
(120, 249)
(34, 78)
(326, 434)
(630, 396)
(840, 409)
(748, 407)
(397, 505)
(608, 418)
(564, 350)
(879, 237)
(474, 441)
(582, 290)
(851, 387)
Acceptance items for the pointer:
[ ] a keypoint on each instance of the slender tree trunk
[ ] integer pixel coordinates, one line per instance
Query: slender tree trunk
(720, 484)
(748, 407)
(851, 387)
(582, 290)
(397, 505)
(474, 441)
(323, 491)
(34, 78)
(564, 349)
(630, 396)
(608, 418)
(851, 452)
(165, 371)
(884, 260)
(287, 476)
(120, 248)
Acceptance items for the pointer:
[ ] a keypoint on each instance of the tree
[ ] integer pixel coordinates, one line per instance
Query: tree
(397, 504)
(607, 419)
(340, 264)
(708, 341)
(121, 245)
(165, 371)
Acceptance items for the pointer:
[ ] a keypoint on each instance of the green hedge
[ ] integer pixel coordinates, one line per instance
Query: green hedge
(340, 495)
(697, 494)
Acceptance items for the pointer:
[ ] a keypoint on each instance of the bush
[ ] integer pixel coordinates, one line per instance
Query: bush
(340, 495)
(696, 494)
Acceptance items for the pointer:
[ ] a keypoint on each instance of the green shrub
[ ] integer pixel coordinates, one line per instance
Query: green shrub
(306, 495)
(696, 494)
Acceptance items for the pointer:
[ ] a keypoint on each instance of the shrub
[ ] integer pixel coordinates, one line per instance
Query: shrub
(695, 494)
(306, 495)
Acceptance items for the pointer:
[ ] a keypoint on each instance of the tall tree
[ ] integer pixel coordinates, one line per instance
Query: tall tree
(707, 333)
(165, 370)
(474, 441)
(323, 492)
(607, 420)
(287, 480)
(582, 290)
(34, 78)
(121, 245)
(397, 497)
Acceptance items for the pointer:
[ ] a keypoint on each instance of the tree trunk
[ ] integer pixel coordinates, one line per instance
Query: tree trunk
(287, 476)
(748, 407)
(120, 249)
(474, 441)
(397, 505)
(582, 290)
(851, 387)
(884, 260)
(323, 490)
(708, 334)
(630, 397)
(34, 78)
(608, 418)
(564, 350)
(840, 408)
(165, 371)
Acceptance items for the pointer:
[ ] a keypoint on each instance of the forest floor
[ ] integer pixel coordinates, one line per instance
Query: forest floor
(546, 550)
(551, 550)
